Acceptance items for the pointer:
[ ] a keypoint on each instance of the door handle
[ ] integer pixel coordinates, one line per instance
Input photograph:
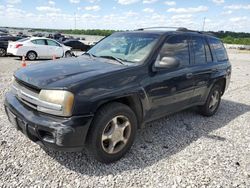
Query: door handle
(189, 75)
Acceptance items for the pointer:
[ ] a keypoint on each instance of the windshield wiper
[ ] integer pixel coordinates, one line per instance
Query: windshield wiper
(89, 54)
(112, 57)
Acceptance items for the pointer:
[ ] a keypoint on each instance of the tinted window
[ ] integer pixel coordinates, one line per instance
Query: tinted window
(75, 44)
(131, 47)
(199, 50)
(176, 46)
(52, 43)
(68, 43)
(39, 42)
(218, 49)
(208, 53)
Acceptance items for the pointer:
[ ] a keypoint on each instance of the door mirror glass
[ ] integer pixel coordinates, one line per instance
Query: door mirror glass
(168, 63)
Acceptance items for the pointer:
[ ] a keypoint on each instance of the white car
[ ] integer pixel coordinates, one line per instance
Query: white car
(38, 47)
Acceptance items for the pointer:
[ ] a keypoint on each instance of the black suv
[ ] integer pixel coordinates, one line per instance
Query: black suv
(4, 41)
(100, 99)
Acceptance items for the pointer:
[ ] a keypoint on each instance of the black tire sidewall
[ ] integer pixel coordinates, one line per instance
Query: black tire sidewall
(207, 111)
(66, 54)
(5, 53)
(98, 125)
(29, 58)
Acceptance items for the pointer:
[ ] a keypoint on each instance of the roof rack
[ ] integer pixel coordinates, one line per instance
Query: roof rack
(183, 29)
(175, 28)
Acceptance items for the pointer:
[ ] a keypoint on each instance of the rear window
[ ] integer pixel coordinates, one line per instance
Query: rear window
(24, 39)
(39, 42)
(218, 49)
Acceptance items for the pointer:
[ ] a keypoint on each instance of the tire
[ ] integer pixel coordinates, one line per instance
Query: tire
(68, 54)
(31, 55)
(213, 101)
(108, 141)
(2, 52)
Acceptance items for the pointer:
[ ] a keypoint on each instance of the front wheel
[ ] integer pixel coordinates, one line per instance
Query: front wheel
(68, 54)
(213, 101)
(112, 132)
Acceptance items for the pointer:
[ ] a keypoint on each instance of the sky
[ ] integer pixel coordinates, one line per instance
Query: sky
(227, 15)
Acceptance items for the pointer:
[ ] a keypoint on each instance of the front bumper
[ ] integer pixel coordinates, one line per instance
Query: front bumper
(58, 133)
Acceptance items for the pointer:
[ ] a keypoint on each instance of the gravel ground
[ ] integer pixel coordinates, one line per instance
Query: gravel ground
(181, 150)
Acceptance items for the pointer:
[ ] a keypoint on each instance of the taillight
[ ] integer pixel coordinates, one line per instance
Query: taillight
(18, 45)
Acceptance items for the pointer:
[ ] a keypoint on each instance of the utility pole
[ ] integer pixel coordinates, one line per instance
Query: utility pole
(75, 20)
(204, 22)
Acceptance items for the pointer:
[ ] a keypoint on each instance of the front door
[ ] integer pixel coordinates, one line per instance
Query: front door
(171, 90)
(55, 49)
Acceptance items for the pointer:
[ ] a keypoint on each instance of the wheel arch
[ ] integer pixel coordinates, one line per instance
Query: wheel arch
(31, 51)
(222, 83)
(133, 101)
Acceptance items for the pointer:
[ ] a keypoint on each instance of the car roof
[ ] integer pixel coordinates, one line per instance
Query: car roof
(43, 38)
(171, 32)
(71, 40)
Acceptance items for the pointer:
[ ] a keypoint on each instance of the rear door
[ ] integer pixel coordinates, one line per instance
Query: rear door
(202, 66)
(171, 90)
(39, 46)
(54, 48)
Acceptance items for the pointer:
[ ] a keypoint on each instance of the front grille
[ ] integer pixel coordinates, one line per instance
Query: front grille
(30, 97)
(25, 94)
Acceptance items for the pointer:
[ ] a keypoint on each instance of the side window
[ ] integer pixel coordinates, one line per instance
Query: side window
(199, 50)
(208, 53)
(39, 42)
(78, 44)
(68, 44)
(218, 49)
(52, 43)
(177, 47)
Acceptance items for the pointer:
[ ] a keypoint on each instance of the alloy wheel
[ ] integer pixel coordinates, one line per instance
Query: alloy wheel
(116, 134)
(2, 52)
(214, 100)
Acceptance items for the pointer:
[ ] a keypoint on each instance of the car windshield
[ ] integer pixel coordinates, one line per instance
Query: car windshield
(128, 47)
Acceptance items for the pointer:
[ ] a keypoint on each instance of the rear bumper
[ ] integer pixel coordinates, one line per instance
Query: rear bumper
(58, 133)
(15, 52)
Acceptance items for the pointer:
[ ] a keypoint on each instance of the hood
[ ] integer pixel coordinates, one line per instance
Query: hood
(64, 73)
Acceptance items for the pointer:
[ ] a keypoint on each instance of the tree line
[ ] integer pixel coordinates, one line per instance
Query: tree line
(228, 37)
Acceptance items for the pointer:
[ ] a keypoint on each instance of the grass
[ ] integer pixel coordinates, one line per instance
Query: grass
(233, 40)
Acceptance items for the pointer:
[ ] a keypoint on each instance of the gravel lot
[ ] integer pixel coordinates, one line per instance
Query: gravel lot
(181, 150)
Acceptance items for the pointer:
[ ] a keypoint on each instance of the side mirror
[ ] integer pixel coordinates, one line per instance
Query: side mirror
(167, 63)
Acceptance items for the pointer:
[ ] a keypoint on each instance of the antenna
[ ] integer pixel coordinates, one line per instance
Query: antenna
(204, 22)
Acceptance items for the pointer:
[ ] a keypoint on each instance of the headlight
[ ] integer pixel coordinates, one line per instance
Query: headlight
(57, 102)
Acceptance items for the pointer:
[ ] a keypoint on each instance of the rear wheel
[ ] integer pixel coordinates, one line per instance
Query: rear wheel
(112, 132)
(2, 52)
(213, 101)
(31, 56)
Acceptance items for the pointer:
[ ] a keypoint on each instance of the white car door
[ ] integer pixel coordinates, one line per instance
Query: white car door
(40, 47)
(54, 48)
